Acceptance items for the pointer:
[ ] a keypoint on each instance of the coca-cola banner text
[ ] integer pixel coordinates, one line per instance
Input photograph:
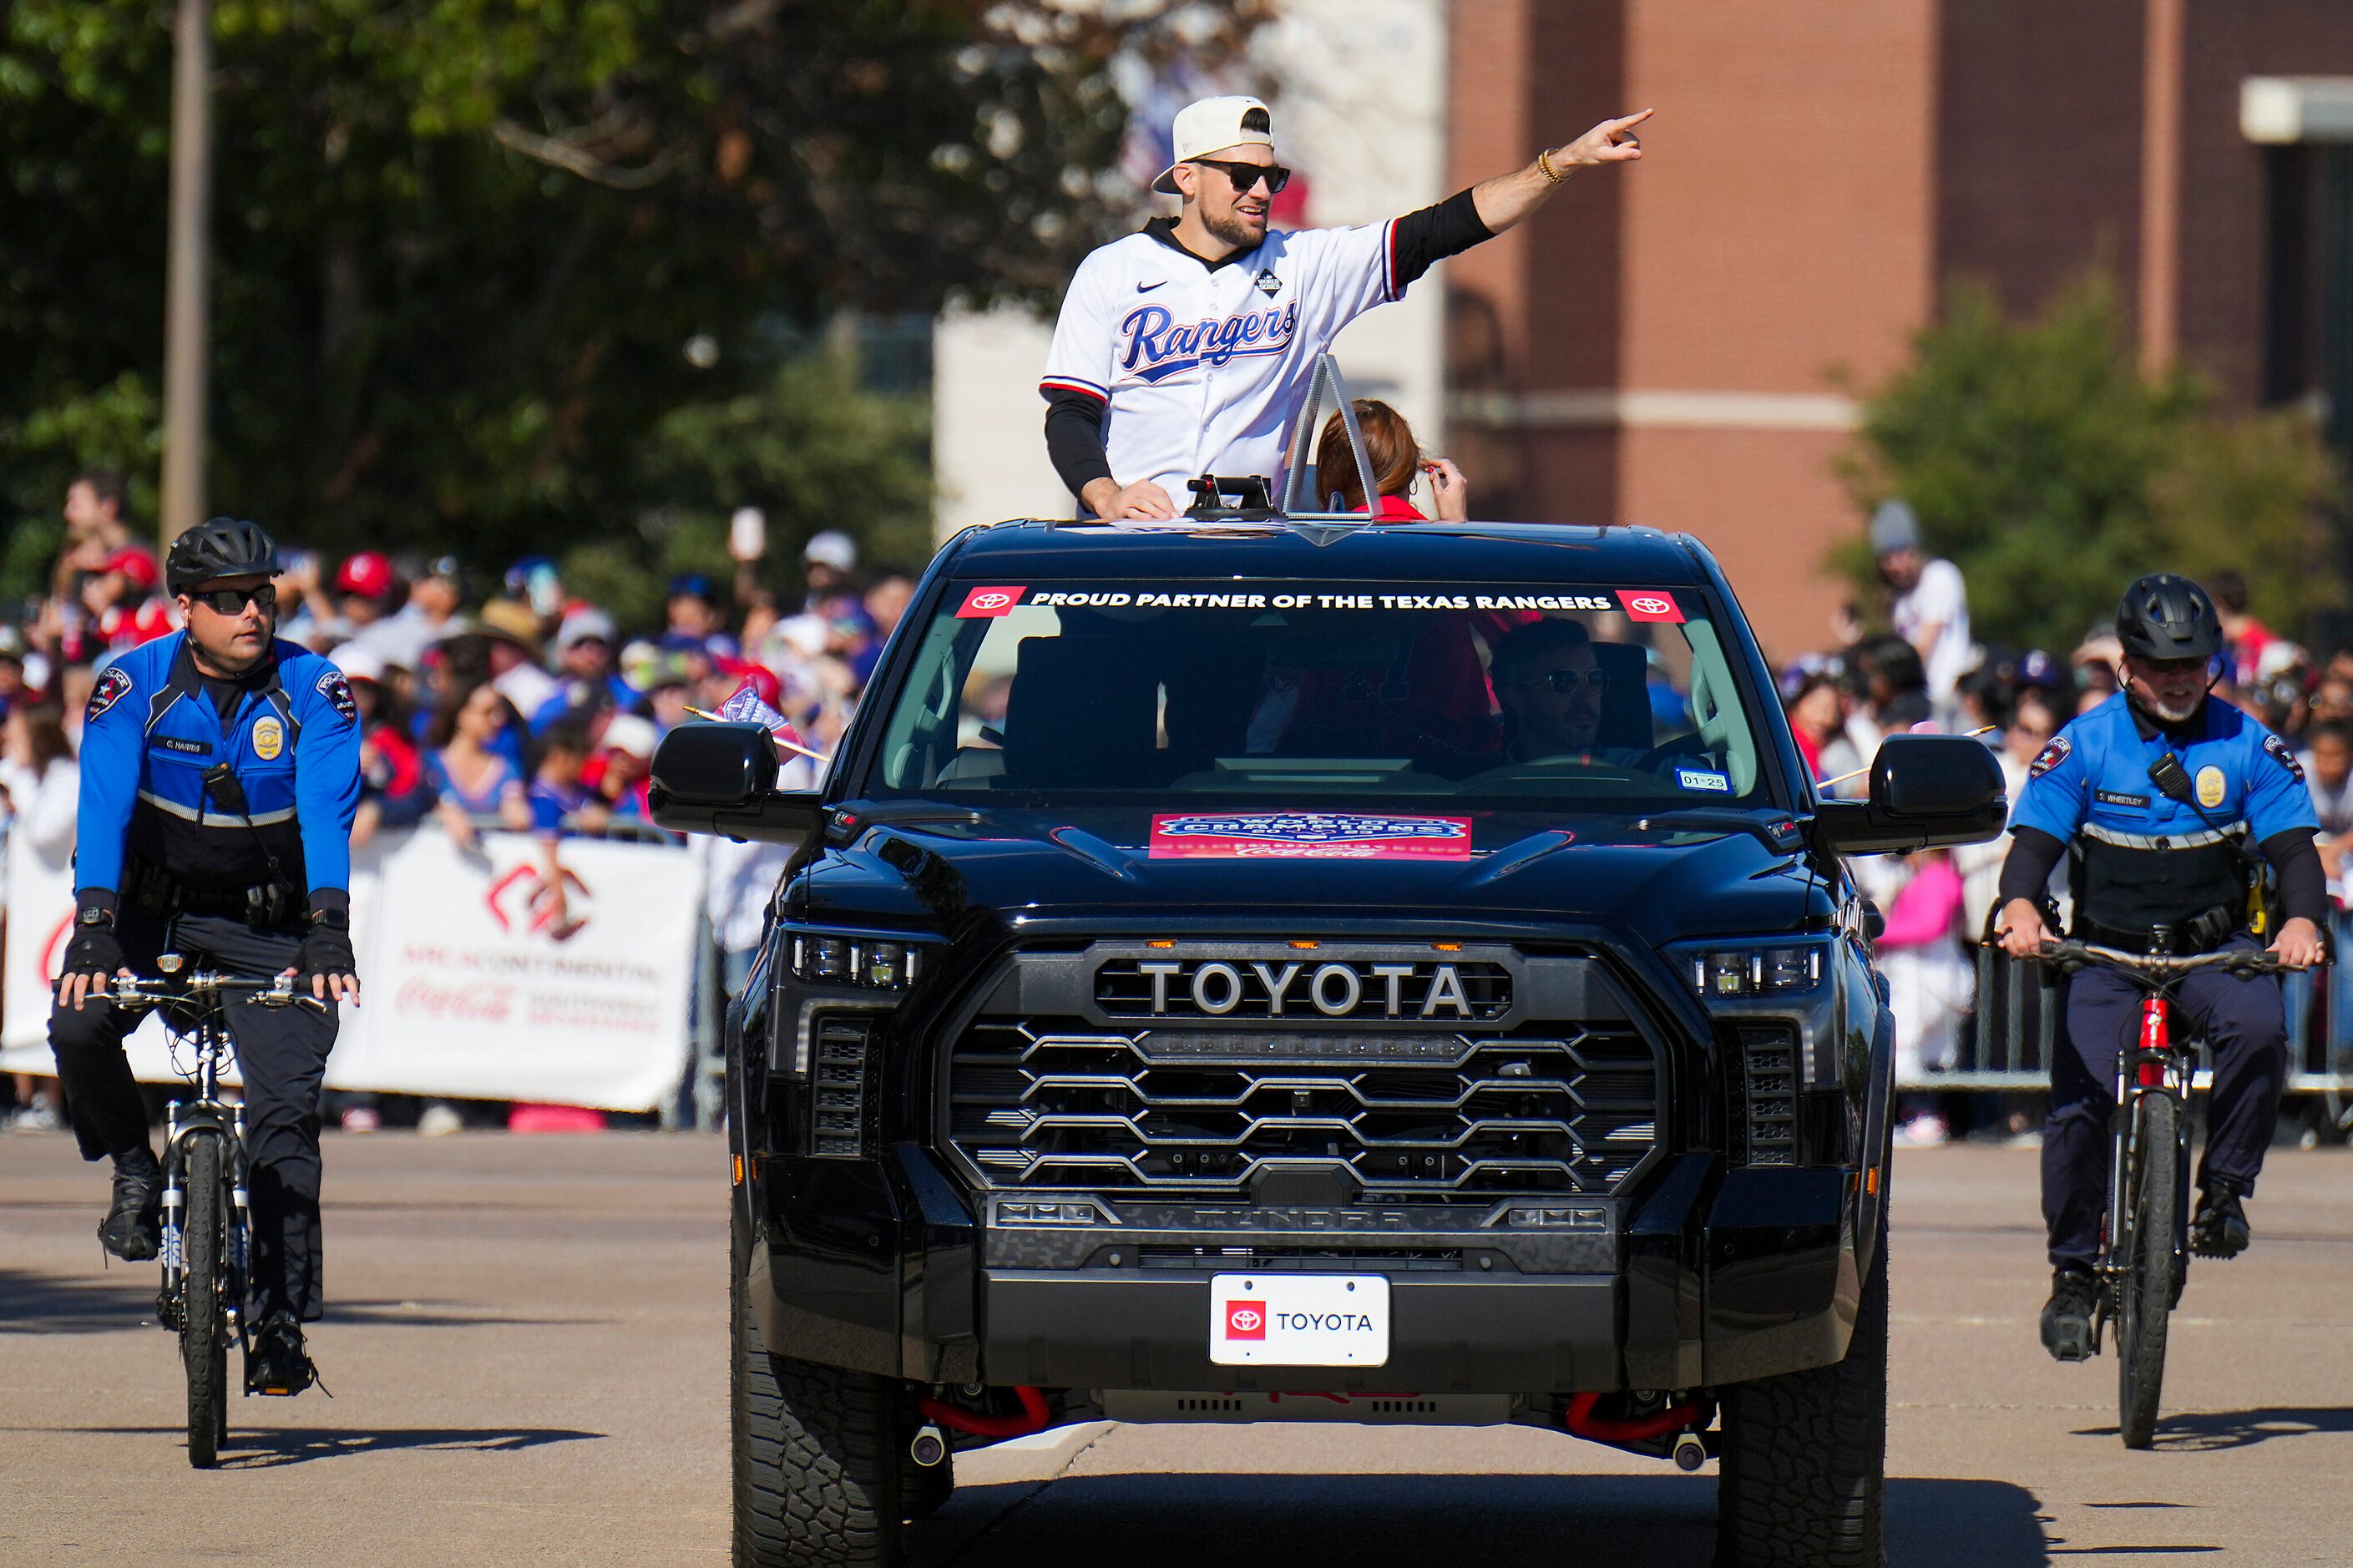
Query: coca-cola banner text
(479, 983)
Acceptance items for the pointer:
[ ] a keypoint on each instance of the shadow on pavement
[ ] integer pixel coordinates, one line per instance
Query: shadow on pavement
(1411, 1521)
(123, 1297)
(2199, 1432)
(246, 1450)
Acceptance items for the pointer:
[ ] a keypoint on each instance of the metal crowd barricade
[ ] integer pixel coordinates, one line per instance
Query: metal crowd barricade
(2017, 1026)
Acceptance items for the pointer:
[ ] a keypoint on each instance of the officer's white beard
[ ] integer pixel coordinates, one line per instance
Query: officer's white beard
(2166, 714)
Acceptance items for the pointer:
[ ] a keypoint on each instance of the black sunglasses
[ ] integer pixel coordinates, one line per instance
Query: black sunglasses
(1564, 681)
(232, 601)
(1246, 176)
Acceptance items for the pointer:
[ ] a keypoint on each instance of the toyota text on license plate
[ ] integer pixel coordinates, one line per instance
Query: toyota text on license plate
(1299, 1320)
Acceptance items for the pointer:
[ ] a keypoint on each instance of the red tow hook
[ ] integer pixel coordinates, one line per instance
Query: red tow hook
(1033, 1417)
(1641, 1429)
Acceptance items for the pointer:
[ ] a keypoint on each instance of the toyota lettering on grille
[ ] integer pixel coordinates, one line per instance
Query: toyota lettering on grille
(1219, 989)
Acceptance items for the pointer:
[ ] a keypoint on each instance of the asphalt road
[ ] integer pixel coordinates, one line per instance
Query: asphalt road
(527, 1349)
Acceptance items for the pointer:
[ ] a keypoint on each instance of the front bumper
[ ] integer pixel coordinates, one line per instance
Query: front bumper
(1703, 1276)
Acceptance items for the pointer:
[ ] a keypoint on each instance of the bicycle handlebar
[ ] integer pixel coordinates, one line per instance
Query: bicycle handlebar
(2238, 961)
(278, 991)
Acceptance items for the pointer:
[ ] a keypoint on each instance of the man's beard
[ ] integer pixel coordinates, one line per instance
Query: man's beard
(1235, 230)
(2169, 715)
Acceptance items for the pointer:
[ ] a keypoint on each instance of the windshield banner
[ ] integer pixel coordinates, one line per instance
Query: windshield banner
(1308, 835)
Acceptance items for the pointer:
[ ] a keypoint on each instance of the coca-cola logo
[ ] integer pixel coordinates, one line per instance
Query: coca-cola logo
(1245, 1321)
(461, 1001)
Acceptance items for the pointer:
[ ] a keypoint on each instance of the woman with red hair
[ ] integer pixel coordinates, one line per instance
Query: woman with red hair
(1396, 459)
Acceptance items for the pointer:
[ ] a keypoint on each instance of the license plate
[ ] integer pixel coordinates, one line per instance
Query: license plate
(1299, 1320)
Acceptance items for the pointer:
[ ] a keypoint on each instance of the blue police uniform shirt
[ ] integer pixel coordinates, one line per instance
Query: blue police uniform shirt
(2157, 858)
(152, 732)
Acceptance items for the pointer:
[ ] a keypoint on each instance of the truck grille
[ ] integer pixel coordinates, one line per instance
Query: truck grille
(1048, 1103)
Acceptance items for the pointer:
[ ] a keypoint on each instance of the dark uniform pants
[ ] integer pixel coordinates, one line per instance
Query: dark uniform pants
(281, 1053)
(2245, 1027)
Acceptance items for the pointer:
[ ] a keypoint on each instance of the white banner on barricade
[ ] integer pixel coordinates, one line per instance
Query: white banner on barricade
(472, 992)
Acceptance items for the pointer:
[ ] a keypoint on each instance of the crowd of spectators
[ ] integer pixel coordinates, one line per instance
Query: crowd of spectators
(487, 701)
(1928, 672)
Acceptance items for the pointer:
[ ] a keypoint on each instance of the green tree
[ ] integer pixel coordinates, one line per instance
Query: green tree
(2052, 471)
(463, 246)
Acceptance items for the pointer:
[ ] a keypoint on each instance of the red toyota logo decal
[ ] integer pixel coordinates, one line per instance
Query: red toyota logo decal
(1650, 604)
(1245, 1321)
(987, 604)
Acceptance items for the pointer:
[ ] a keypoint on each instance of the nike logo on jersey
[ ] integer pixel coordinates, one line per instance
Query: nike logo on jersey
(1159, 347)
(1148, 288)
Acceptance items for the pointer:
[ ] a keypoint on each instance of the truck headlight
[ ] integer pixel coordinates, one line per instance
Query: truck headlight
(1727, 973)
(871, 963)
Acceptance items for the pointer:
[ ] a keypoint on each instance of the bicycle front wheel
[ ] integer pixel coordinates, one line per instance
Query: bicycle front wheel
(2152, 1267)
(204, 1329)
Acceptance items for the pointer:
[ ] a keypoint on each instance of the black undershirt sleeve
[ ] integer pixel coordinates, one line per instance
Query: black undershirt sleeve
(2033, 855)
(2303, 885)
(1074, 439)
(1435, 233)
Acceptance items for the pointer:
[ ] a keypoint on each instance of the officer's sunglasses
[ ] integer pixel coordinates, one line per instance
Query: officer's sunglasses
(232, 601)
(1246, 175)
(1564, 681)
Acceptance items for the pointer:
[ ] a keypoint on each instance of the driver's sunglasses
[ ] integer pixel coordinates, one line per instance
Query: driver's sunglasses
(232, 601)
(1246, 176)
(1564, 681)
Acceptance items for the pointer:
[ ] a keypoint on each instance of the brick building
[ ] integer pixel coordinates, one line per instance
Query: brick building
(1676, 344)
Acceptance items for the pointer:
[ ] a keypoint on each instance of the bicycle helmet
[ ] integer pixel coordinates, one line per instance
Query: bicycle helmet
(220, 547)
(2165, 617)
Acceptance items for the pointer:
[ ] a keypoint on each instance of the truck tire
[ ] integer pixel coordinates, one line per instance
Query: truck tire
(815, 1454)
(1804, 1459)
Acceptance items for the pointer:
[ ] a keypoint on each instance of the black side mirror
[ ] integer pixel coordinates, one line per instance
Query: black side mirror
(721, 779)
(1925, 790)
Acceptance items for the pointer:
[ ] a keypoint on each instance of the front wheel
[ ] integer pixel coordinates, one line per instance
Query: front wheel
(204, 1332)
(816, 1454)
(1804, 1462)
(2151, 1262)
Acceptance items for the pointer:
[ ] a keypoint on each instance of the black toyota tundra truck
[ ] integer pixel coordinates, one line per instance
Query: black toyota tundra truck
(1389, 973)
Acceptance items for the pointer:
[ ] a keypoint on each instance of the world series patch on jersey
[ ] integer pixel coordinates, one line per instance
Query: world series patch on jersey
(1201, 368)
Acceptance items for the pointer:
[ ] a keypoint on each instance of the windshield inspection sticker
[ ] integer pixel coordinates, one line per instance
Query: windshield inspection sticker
(1649, 605)
(987, 604)
(1700, 778)
(1308, 835)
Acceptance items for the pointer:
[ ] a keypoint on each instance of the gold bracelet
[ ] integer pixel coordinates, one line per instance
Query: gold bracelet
(1544, 167)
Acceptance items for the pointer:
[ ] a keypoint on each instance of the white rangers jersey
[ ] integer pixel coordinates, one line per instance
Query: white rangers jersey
(1203, 368)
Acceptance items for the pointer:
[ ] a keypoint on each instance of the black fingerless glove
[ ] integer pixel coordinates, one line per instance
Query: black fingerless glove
(326, 951)
(94, 951)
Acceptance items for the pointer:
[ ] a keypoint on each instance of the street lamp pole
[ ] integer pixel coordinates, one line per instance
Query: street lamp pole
(186, 302)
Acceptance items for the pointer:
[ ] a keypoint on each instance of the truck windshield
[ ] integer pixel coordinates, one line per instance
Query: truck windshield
(1506, 695)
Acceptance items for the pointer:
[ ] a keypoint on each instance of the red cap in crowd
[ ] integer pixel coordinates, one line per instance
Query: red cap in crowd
(134, 563)
(367, 575)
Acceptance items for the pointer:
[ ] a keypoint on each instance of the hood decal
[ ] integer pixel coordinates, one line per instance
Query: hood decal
(1308, 835)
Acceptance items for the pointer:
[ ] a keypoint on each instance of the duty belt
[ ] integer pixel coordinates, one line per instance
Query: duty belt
(2198, 933)
(149, 887)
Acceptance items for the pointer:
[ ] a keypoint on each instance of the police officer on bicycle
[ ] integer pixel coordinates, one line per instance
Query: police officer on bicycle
(2163, 798)
(219, 775)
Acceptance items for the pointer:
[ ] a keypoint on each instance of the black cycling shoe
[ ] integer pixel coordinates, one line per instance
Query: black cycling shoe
(133, 1227)
(279, 1364)
(2220, 1229)
(2067, 1316)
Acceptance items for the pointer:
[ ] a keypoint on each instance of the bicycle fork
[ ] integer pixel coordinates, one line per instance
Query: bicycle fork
(2151, 1067)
